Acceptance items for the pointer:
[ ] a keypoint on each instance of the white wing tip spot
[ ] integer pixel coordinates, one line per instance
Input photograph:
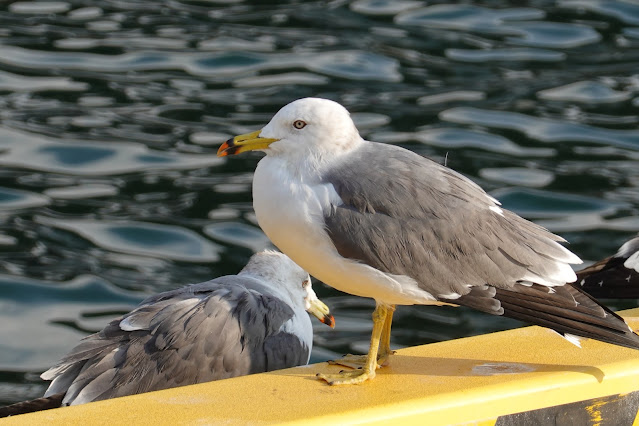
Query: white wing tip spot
(497, 210)
(494, 200)
(125, 325)
(450, 296)
(628, 248)
(632, 262)
(575, 340)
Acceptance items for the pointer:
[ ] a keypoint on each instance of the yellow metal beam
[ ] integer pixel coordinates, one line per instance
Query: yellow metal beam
(477, 380)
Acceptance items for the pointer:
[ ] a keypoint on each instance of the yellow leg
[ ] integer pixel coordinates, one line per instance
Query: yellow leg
(367, 372)
(384, 351)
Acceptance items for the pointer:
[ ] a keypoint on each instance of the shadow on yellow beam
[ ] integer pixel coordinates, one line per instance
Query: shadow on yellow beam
(479, 380)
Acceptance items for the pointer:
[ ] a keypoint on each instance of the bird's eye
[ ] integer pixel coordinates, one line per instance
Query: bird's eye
(299, 124)
(306, 283)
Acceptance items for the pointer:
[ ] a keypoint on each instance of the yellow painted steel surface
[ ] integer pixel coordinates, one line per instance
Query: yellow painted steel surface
(465, 381)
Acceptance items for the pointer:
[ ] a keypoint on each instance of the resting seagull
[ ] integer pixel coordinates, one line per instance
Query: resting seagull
(231, 326)
(380, 221)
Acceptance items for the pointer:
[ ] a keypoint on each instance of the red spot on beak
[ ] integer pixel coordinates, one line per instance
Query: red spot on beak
(328, 320)
(224, 149)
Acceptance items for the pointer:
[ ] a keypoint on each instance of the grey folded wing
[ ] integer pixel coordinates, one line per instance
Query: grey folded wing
(406, 215)
(195, 334)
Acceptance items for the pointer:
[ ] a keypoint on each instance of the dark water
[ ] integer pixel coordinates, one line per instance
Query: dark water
(111, 113)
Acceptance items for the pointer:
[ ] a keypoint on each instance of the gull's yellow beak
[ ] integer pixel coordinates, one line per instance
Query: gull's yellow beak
(246, 142)
(319, 310)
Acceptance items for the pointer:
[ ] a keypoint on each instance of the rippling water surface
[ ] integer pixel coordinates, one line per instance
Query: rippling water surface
(111, 112)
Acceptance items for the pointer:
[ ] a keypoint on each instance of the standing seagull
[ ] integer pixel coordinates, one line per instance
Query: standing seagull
(380, 221)
(231, 326)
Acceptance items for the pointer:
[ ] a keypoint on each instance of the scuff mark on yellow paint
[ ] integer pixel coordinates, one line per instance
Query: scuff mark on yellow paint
(594, 411)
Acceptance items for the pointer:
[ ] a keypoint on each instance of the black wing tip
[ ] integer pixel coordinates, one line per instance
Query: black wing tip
(613, 277)
(32, 406)
(609, 279)
(565, 309)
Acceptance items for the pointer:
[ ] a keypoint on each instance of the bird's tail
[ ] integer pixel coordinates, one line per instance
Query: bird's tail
(39, 404)
(565, 309)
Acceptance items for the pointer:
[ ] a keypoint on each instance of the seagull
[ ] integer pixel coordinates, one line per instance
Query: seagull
(231, 326)
(614, 277)
(380, 221)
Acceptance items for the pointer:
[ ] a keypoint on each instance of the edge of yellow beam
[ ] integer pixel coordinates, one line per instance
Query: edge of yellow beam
(475, 380)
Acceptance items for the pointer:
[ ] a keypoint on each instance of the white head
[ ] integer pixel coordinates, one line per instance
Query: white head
(281, 273)
(311, 124)
(306, 128)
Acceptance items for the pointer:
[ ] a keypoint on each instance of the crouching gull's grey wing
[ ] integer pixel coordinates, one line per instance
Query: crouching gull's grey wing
(383, 222)
(230, 326)
(615, 277)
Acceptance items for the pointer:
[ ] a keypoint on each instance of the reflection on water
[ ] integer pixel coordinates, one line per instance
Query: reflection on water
(543, 129)
(111, 113)
(94, 158)
(53, 317)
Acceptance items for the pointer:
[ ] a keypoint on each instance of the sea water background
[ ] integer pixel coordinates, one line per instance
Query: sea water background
(111, 113)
